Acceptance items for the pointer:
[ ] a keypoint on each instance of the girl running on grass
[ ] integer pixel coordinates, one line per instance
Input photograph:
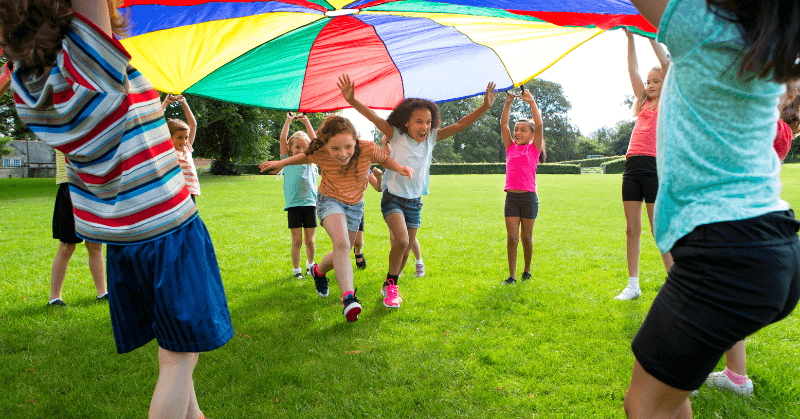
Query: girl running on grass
(344, 162)
(300, 193)
(522, 203)
(413, 129)
(375, 176)
(718, 211)
(182, 135)
(640, 180)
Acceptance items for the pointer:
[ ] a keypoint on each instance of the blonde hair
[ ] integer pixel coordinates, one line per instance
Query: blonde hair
(176, 125)
(641, 100)
(295, 136)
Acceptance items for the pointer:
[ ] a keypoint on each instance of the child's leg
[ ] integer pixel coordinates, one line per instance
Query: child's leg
(358, 242)
(339, 258)
(527, 240)
(412, 238)
(415, 248)
(647, 397)
(174, 387)
(193, 412)
(399, 245)
(297, 243)
(633, 233)
(59, 270)
(310, 246)
(96, 266)
(736, 358)
(666, 257)
(512, 242)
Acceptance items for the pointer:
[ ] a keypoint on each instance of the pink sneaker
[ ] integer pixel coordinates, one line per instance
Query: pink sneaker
(392, 296)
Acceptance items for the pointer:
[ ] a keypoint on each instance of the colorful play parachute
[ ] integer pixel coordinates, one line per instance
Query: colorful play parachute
(288, 54)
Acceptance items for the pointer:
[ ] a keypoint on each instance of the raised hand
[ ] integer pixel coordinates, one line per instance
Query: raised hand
(490, 95)
(526, 96)
(510, 97)
(347, 87)
(290, 115)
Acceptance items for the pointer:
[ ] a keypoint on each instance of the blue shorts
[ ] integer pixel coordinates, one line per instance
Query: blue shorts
(168, 289)
(410, 208)
(327, 206)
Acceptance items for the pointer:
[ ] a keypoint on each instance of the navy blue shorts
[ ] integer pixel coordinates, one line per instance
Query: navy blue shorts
(169, 289)
(410, 208)
(729, 280)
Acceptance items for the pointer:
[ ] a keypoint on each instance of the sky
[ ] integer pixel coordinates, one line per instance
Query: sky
(594, 77)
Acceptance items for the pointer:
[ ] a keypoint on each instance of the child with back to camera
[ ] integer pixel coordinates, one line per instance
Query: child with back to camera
(718, 212)
(522, 202)
(344, 163)
(300, 193)
(640, 178)
(413, 129)
(125, 182)
(182, 135)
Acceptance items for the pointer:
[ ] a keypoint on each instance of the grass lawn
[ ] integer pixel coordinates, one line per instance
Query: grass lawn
(460, 346)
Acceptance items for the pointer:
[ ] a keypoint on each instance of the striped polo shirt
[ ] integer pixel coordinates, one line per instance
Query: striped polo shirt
(347, 187)
(125, 181)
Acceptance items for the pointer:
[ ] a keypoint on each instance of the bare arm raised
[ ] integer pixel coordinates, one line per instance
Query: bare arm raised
(465, 122)
(505, 132)
(348, 89)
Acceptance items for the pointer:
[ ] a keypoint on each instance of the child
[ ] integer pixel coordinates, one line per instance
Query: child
(375, 176)
(718, 210)
(640, 180)
(182, 136)
(74, 87)
(64, 231)
(300, 193)
(522, 203)
(343, 161)
(413, 129)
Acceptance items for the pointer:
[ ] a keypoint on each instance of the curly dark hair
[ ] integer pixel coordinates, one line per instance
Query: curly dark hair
(402, 113)
(31, 31)
(791, 115)
(334, 125)
(770, 32)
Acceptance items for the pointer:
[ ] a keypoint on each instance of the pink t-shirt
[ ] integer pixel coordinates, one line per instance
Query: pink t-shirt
(643, 138)
(521, 162)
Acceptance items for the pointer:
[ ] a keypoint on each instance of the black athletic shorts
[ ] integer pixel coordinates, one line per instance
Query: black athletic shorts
(522, 205)
(305, 217)
(729, 280)
(640, 179)
(63, 218)
(361, 226)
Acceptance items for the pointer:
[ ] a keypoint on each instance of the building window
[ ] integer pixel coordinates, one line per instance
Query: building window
(12, 162)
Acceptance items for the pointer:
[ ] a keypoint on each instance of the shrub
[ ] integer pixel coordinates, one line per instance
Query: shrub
(459, 169)
(592, 162)
(614, 166)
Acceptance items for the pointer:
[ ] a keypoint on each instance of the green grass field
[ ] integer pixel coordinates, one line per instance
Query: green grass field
(460, 346)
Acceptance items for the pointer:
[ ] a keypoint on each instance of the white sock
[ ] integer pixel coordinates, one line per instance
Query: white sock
(633, 282)
(309, 264)
(419, 262)
(297, 271)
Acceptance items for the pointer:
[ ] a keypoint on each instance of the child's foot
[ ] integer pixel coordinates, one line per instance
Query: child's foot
(360, 264)
(352, 307)
(509, 281)
(526, 276)
(420, 270)
(385, 291)
(720, 380)
(299, 275)
(57, 302)
(392, 296)
(103, 297)
(629, 293)
(320, 281)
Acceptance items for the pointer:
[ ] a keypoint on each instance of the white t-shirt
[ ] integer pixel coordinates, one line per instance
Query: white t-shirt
(417, 156)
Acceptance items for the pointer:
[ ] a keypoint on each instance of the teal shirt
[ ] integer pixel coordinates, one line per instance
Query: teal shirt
(299, 185)
(715, 132)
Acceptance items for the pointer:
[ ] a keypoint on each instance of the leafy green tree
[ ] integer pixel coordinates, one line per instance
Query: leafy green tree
(10, 124)
(4, 148)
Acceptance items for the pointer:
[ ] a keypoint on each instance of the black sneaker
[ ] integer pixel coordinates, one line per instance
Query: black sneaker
(510, 281)
(351, 308)
(320, 282)
(103, 297)
(526, 276)
(299, 275)
(57, 302)
(360, 264)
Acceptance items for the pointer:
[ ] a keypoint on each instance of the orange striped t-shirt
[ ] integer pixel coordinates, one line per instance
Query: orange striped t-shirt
(347, 187)
(643, 138)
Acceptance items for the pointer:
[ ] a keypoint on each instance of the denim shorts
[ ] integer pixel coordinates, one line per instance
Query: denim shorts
(410, 208)
(328, 206)
(729, 280)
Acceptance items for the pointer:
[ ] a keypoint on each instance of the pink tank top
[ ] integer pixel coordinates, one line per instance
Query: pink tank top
(643, 138)
(521, 162)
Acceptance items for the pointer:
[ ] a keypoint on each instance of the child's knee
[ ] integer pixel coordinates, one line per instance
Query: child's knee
(167, 358)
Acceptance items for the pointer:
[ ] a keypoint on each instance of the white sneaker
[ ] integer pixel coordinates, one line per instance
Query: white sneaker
(720, 380)
(629, 293)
